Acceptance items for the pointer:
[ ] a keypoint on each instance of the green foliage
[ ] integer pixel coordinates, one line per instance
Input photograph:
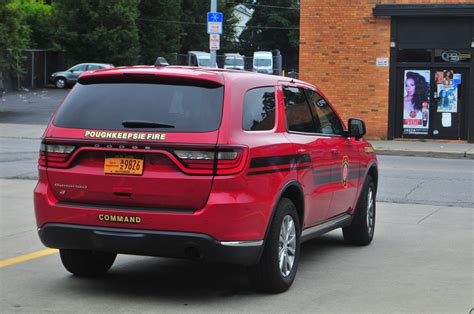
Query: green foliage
(14, 36)
(98, 30)
(286, 40)
(158, 38)
(228, 40)
(194, 32)
(37, 18)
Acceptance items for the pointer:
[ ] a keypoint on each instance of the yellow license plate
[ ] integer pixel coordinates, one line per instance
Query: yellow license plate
(129, 165)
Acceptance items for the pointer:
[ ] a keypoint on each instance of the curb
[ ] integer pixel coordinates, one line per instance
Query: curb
(450, 155)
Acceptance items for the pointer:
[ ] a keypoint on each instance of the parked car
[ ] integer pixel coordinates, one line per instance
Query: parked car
(233, 61)
(175, 168)
(200, 59)
(263, 62)
(69, 77)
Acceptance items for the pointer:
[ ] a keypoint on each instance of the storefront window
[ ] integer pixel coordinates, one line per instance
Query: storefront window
(452, 55)
(414, 55)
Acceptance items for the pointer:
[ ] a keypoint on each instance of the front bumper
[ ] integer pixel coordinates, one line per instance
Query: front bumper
(150, 243)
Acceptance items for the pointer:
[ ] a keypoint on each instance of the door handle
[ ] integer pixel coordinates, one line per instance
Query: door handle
(335, 152)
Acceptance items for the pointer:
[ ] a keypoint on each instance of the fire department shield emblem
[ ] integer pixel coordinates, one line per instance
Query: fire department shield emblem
(345, 170)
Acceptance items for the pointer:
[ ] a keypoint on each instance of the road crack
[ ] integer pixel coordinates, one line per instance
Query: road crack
(413, 190)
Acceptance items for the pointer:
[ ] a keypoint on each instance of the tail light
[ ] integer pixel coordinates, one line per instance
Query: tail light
(54, 155)
(221, 161)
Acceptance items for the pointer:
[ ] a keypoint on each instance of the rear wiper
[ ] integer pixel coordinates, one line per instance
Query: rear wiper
(145, 124)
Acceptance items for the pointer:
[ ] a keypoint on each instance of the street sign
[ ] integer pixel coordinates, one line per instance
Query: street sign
(214, 42)
(214, 22)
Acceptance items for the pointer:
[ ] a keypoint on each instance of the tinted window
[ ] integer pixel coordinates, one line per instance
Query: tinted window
(80, 67)
(105, 106)
(298, 114)
(92, 67)
(414, 55)
(327, 121)
(259, 109)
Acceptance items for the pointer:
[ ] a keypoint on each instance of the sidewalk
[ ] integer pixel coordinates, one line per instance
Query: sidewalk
(397, 148)
(424, 149)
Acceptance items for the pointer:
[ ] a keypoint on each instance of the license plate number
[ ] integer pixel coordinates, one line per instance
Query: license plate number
(129, 165)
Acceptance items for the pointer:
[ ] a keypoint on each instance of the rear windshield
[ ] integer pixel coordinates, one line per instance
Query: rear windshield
(105, 106)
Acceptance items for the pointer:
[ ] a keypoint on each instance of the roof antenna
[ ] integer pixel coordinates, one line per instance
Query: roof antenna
(161, 62)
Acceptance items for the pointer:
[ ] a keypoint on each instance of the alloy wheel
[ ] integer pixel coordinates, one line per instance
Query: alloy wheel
(287, 245)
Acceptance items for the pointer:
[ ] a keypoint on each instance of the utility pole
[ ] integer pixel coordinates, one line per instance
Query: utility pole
(213, 52)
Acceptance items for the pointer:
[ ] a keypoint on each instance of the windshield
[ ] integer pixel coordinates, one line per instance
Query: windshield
(234, 61)
(204, 62)
(105, 106)
(262, 62)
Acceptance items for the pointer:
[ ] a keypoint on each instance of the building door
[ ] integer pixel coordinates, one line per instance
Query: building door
(431, 103)
(448, 106)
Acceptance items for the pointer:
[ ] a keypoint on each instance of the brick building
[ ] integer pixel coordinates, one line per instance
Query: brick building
(365, 55)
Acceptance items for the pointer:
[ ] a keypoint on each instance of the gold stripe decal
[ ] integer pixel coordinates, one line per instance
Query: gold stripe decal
(138, 136)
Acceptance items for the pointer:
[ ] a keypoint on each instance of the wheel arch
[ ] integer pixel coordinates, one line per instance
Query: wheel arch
(294, 192)
(374, 173)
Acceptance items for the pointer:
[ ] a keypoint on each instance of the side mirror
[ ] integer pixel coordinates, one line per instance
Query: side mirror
(356, 128)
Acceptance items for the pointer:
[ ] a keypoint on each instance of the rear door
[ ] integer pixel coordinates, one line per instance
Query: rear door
(137, 145)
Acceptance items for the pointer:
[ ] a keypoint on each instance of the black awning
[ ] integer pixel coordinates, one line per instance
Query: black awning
(441, 9)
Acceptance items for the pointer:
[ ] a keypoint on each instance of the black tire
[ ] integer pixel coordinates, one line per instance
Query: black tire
(87, 263)
(266, 275)
(60, 82)
(361, 230)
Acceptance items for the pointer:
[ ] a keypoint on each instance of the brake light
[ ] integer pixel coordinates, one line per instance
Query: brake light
(221, 161)
(54, 155)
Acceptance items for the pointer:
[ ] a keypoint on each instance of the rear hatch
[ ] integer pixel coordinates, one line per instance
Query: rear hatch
(136, 143)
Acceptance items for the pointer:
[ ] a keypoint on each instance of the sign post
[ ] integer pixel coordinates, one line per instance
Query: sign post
(214, 28)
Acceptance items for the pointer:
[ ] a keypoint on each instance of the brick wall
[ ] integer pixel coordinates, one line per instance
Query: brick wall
(339, 43)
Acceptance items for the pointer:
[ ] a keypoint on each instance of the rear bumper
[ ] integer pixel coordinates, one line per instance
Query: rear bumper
(151, 243)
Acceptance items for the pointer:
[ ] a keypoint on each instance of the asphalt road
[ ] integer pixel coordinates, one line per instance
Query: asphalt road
(408, 180)
(30, 107)
(421, 259)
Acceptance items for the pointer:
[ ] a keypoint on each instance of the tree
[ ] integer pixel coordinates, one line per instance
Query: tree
(98, 30)
(282, 19)
(194, 33)
(37, 18)
(157, 37)
(14, 37)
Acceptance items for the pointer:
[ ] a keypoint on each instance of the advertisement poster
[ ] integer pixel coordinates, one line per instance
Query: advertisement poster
(416, 101)
(447, 90)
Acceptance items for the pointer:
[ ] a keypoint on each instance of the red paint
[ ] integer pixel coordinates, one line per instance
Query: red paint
(179, 195)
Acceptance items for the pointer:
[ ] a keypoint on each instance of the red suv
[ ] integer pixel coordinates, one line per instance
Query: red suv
(206, 164)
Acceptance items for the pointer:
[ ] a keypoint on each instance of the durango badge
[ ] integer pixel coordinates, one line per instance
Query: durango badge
(345, 170)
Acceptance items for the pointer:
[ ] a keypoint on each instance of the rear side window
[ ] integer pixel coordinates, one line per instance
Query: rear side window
(105, 106)
(259, 109)
(92, 67)
(298, 114)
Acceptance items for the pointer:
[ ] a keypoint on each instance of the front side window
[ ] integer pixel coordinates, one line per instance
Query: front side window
(259, 109)
(298, 114)
(328, 121)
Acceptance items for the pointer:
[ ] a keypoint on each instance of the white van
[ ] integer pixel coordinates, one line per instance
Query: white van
(263, 62)
(200, 59)
(233, 61)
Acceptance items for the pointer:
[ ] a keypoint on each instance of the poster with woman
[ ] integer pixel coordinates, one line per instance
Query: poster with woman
(447, 91)
(416, 102)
